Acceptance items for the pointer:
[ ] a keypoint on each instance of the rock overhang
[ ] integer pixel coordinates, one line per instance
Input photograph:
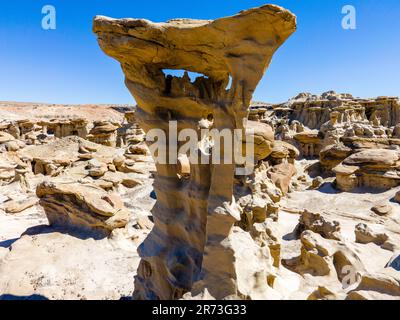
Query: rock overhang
(215, 48)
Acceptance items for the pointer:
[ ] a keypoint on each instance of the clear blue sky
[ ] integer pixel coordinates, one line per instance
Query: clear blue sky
(66, 65)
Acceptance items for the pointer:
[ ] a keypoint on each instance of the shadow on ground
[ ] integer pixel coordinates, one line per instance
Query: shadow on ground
(7, 243)
(73, 232)
(46, 229)
(33, 297)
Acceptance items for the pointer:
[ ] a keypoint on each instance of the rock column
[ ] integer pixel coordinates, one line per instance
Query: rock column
(195, 213)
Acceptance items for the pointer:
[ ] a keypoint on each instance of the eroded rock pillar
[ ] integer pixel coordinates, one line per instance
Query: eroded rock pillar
(195, 212)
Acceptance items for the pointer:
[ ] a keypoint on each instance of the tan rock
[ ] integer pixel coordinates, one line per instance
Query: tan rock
(252, 265)
(144, 50)
(14, 145)
(282, 149)
(314, 257)
(374, 168)
(397, 197)
(375, 158)
(322, 293)
(104, 132)
(320, 257)
(130, 182)
(281, 175)
(80, 206)
(382, 209)
(317, 182)
(319, 224)
(332, 155)
(263, 136)
(268, 234)
(144, 223)
(6, 137)
(364, 234)
(7, 169)
(19, 206)
(96, 168)
(387, 283)
(139, 149)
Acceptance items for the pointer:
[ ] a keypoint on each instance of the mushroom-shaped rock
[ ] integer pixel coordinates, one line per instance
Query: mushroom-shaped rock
(373, 168)
(374, 158)
(193, 216)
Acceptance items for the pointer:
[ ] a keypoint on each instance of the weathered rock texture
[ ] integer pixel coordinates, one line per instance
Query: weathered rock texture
(355, 139)
(64, 121)
(375, 168)
(192, 240)
(104, 132)
(82, 207)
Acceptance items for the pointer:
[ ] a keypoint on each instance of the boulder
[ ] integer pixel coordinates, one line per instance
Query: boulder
(104, 133)
(365, 235)
(16, 206)
(84, 207)
(329, 229)
(263, 137)
(281, 175)
(397, 197)
(382, 209)
(7, 169)
(332, 155)
(317, 182)
(374, 168)
(96, 168)
(383, 285)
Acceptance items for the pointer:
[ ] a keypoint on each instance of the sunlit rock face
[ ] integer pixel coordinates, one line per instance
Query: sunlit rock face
(193, 239)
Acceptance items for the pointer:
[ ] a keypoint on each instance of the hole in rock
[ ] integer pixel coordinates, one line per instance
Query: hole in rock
(229, 85)
(170, 73)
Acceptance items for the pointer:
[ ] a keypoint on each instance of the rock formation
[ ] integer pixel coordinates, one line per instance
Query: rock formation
(64, 128)
(84, 207)
(192, 246)
(7, 169)
(120, 126)
(130, 132)
(317, 218)
(297, 235)
(337, 129)
(375, 168)
(104, 132)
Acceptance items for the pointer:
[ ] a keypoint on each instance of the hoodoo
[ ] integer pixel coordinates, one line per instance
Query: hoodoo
(190, 247)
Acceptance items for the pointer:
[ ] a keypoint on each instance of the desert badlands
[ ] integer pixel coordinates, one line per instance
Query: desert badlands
(87, 213)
